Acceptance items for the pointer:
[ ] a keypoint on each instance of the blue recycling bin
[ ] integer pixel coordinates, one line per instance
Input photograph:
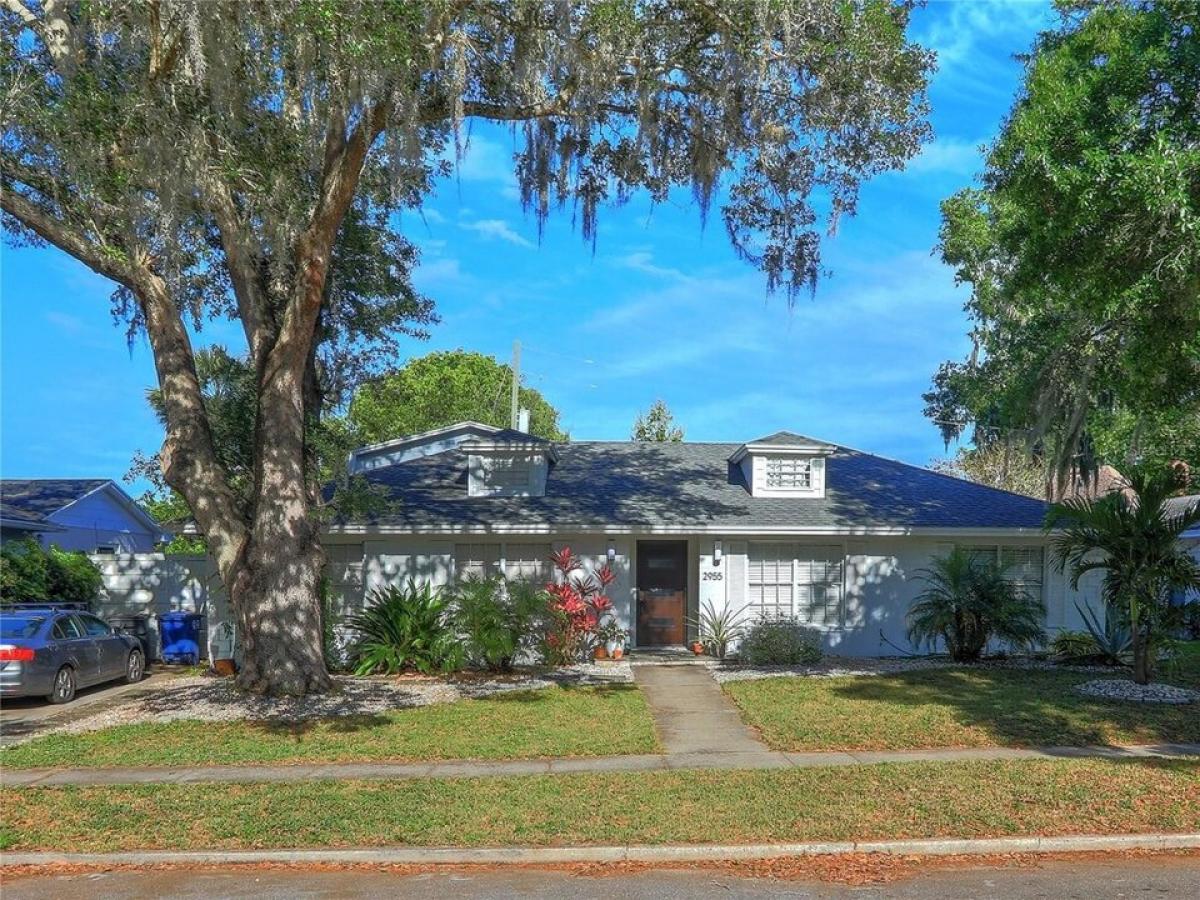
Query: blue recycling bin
(180, 635)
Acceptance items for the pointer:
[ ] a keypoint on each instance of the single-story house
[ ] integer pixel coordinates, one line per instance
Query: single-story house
(784, 525)
(90, 514)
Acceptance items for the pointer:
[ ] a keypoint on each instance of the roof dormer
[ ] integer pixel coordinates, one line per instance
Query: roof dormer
(783, 465)
(511, 464)
(415, 446)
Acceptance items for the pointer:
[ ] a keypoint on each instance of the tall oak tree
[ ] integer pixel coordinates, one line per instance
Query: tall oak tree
(205, 157)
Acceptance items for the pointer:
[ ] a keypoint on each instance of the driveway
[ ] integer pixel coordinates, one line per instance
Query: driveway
(28, 715)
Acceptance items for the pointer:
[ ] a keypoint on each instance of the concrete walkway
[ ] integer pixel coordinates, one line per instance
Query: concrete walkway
(694, 718)
(718, 759)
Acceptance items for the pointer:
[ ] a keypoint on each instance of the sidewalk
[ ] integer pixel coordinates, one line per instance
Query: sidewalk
(689, 759)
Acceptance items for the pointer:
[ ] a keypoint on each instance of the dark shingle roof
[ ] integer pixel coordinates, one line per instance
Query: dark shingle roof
(789, 438)
(688, 485)
(41, 497)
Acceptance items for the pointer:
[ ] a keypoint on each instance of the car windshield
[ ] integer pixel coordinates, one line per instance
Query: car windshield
(20, 626)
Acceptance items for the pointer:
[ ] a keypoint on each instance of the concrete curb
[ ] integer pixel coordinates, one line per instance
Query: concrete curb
(433, 856)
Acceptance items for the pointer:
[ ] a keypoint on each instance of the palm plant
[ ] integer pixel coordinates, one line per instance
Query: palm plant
(405, 628)
(718, 628)
(1132, 536)
(498, 619)
(967, 602)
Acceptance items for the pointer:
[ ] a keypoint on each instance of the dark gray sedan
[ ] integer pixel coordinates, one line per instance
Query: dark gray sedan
(52, 652)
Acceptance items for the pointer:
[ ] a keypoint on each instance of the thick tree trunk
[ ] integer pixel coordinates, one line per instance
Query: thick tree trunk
(275, 593)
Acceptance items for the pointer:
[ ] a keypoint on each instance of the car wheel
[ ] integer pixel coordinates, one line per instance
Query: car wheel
(64, 686)
(135, 667)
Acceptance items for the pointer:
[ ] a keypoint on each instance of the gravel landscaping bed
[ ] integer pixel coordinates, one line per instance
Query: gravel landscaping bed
(841, 667)
(211, 699)
(1129, 692)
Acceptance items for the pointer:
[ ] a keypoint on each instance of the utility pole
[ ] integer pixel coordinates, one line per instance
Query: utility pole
(515, 397)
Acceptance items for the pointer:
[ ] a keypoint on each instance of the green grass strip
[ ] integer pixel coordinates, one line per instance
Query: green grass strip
(961, 707)
(915, 800)
(554, 721)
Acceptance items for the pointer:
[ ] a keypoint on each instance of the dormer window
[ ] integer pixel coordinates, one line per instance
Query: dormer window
(783, 465)
(789, 473)
(508, 468)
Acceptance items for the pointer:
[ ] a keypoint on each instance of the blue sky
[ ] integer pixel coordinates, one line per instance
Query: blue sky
(661, 310)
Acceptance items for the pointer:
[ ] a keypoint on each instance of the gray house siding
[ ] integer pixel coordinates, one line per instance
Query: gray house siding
(880, 576)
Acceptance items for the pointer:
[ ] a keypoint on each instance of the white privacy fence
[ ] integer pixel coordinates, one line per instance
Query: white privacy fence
(154, 583)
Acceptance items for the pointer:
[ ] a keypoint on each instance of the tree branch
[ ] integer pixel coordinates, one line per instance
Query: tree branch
(188, 456)
(244, 263)
(106, 261)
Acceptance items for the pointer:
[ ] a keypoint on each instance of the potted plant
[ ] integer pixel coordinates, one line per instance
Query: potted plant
(611, 639)
(718, 629)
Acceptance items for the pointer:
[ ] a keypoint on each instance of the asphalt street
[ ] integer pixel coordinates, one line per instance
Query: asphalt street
(1091, 879)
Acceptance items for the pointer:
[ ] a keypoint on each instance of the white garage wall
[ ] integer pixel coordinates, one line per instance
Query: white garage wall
(154, 583)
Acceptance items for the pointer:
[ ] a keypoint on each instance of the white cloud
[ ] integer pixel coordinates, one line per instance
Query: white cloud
(642, 261)
(950, 156)
(497, 229)
(964, 35)
(485, 162)
(66, 322)
(439, 271)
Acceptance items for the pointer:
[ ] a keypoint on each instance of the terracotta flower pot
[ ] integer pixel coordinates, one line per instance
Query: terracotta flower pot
(600, 653)
(697, 648)
(224, 667)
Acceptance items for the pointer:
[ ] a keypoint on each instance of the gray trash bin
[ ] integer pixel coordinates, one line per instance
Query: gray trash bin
(137, 626)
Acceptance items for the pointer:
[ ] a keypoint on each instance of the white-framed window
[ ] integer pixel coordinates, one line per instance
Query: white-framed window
(506, 474)
(344, 569)
(528, 562)
(1023, 566)
(480, 560)
(797, 580)
(789, 472)
(517, 561)
(771, 583)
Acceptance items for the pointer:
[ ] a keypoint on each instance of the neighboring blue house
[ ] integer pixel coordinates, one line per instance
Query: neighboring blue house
(90, 514)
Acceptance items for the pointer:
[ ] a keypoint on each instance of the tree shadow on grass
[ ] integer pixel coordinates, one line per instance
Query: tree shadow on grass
(1026, 708)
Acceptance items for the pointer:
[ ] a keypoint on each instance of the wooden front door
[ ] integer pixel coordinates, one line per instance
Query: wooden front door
(661, 592)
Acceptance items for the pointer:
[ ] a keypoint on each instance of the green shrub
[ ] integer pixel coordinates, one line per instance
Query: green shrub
(498, 619)
(1112, 637)
(780, 642)
(405, 628)
(968, 602)
(1074, 645)
(28, 571)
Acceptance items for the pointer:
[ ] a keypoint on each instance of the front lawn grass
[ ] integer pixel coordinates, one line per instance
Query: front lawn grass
(913, 800)
(959, 707)
(553, 721)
